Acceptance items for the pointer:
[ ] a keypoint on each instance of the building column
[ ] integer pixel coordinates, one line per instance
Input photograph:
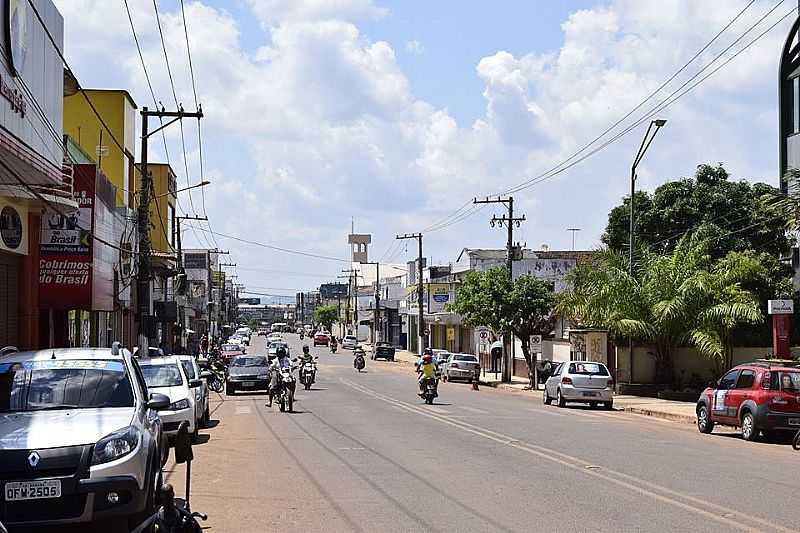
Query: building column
(29, 288)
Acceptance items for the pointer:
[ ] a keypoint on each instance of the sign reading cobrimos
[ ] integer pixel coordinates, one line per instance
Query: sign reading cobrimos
(780, 307)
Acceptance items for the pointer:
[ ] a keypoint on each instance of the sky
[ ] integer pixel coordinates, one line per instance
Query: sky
(392, 115)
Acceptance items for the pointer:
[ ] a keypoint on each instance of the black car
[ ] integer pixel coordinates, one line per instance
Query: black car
(247, 372)
(383, 350)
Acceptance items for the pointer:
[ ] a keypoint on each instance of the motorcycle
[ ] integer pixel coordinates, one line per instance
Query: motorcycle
(302, 335)
(359, 362)
(216, 382)
(308, 374)
(333, 348)
(172, 517)
(285, 390)
(430, 390)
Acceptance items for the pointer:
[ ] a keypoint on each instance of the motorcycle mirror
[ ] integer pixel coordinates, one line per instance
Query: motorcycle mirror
(183, 444)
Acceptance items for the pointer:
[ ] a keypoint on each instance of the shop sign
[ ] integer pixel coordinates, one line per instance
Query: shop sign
(14, 97)
(780, 307)
(17, 22)
(194, 261)
(441, 293)
(10, 227)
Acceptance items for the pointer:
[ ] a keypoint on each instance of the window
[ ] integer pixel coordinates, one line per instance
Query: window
(728, 380)
(588, 369)
(162, 375)
(746, 379)
(140, 382)
(188, 367)
(790, 381)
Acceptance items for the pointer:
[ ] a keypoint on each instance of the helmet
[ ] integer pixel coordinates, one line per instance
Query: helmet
(427, 351)
(281, 352)
(427, 358)
(305, 348)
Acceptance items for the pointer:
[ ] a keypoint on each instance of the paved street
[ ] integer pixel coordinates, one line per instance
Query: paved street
(362, 453)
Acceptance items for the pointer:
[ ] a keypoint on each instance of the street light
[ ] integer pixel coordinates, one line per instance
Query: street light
(648, 139)
(201, 184)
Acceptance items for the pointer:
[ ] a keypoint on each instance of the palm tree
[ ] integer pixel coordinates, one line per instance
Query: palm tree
(669, 301)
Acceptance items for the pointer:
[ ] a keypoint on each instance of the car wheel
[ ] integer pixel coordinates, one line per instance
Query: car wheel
(154, 482)
(228, 390)
(749, 429)
(560, 399)
(546, 398)
(608, 406)
(704, 423)
(593, 405)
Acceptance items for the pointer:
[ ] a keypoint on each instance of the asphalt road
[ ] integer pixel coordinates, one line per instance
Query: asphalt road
(363, 453)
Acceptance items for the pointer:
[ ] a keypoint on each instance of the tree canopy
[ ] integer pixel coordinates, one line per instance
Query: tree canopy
(326, 315)
(522, 308)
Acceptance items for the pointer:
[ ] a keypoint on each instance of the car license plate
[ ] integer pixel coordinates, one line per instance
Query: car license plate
(794, 421)
(32, 490)
(589, 394)
(248, 383)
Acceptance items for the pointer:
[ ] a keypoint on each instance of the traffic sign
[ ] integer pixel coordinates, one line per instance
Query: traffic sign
(536, 343)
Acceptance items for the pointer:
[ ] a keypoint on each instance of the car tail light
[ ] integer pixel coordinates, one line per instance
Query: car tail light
(766, 381)
(566, 381)
(610, 383)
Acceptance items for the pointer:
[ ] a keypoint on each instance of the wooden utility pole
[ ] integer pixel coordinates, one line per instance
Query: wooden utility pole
(144, 275)
(420, 292)
(513, 253)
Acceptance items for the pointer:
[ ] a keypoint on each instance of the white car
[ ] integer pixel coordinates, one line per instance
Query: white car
(272, 350)
(192, 369)
(274, 337)
(165, 375)
(580, 381)
(349, 342)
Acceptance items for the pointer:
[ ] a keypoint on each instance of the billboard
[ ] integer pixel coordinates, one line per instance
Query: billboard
(250, 301)
(331, 291)
(195, 261)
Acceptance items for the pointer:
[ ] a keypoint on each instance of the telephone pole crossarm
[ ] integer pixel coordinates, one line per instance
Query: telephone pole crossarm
(420, 292)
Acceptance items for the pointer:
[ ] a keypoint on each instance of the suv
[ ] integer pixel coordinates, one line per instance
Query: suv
(80, 439)
(383, 350)
(760, 396)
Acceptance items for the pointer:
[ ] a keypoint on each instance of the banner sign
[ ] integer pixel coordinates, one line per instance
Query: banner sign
(194, 261)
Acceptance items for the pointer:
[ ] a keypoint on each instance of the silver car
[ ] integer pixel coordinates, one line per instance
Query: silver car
(80, 439)
(580, 381)
(192, 369)
(461, 366)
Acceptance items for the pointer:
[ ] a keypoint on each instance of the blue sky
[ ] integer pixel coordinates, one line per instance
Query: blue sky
(397, 113)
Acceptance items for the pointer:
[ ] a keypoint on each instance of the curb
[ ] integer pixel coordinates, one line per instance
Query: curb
(674, 417)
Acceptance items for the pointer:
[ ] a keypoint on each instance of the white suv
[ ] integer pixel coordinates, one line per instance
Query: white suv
(80, 439)
(167, 376)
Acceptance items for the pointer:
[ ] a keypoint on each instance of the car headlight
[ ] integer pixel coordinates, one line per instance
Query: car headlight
(180, 404)
(115, 445)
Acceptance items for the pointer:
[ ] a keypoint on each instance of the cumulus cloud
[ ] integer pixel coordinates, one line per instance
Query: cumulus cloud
(414, 47)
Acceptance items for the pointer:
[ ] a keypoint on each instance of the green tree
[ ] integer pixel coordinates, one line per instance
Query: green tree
(522, 308)
(685, 297)
(326, 315)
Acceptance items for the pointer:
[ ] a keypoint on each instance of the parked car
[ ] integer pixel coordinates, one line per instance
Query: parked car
(321, 339)
(274, 337)
(262, 332)
(78, 424)
(192, 369)
(461, 366)
(349, 342)
(166, 376)
(247, 372)
(580, 381)
(762, 396)
(229, 351)
(440, 357)
(383, 350)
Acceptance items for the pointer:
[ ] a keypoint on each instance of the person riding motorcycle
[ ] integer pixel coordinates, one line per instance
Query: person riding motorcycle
(426, 369)
(280, 361)
(306, 357)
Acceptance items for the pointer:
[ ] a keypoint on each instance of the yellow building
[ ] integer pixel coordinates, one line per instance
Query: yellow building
(162, 208)
(119, 113)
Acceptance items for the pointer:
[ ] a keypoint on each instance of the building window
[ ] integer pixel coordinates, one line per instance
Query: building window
(796, 105)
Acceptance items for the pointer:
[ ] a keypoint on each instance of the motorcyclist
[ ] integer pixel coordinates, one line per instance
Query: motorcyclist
(280, 361)
(306, 357)
(426, 369)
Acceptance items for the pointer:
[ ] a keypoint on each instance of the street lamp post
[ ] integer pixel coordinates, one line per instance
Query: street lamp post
(649, 135)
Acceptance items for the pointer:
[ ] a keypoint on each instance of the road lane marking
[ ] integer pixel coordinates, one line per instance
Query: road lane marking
(473, 410)
(243, 410)
(544, 412)
(722, 514)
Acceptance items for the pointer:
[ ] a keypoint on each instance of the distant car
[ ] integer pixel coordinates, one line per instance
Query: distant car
(229, 351)
(192, 369)
(321, 339)
(309, 329)
(383, 350)
(440, 357)
(580, 381)
(762, 396)
(165, 375)
(272, 349)
(274, 337)
(247, 372)
(77, 424)
(460, 366)
(349, 342)
(262, 332)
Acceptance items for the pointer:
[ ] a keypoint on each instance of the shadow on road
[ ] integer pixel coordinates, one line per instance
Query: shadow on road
(211, 424)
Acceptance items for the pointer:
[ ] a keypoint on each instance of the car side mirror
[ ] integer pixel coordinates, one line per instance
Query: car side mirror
(183, 444)
(712, 384)
(158, 401)
(194, 383)
(205, 374)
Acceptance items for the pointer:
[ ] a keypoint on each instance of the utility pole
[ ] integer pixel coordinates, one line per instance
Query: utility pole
(376, 311)
(420, 292)
(573, 231)
(513, 253)
(222, 305)
(143, 221)
(353, 274)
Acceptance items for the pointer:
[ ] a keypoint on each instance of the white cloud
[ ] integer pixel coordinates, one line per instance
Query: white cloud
(414, 47)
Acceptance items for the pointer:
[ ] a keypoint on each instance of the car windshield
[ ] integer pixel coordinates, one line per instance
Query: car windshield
(588, 369)
(64, 384)
(188, 367)
(161, 375)
(470, 358)
(790, 381)
(250, 361)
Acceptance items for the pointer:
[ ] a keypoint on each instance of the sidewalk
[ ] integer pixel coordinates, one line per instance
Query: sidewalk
(682, 412)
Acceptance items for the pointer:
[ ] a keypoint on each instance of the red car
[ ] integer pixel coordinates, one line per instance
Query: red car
(762, 396)
(321, 339)
(229, 351)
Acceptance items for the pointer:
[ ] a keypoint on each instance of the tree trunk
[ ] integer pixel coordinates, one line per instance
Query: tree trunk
(526, 351)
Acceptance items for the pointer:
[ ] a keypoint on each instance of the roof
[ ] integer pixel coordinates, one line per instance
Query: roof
(125, 93)
(62, 353)
(500, 253)
(167, 360)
